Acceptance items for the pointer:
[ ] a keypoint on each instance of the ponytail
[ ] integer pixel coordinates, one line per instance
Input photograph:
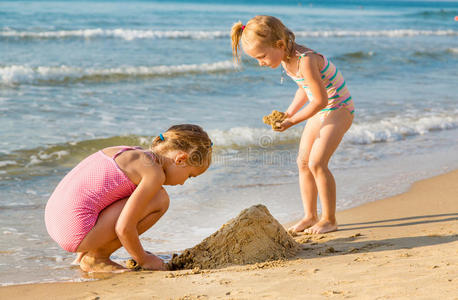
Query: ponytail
(236, 35)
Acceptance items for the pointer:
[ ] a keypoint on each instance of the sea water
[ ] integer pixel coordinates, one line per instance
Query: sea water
(76, 77)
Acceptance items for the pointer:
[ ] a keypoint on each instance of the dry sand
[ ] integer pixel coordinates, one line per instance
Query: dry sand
(403, 247)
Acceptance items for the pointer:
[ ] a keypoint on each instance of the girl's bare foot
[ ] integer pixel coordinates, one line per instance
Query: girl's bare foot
(323, 226)
(303, 224)
(78, 258)
(100, 265)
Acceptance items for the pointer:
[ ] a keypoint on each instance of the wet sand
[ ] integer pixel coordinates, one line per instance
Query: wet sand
(402, 247)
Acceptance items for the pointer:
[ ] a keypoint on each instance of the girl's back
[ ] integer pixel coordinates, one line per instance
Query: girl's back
(95, 183)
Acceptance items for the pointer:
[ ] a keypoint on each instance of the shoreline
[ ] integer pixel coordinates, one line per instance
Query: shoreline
(398, 247)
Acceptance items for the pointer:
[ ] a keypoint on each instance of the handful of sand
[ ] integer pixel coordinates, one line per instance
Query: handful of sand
(133, 265)
(253, 236)
(274, 119)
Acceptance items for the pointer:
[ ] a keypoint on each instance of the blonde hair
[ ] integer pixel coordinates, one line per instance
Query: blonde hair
(266, 30)
(189, 138)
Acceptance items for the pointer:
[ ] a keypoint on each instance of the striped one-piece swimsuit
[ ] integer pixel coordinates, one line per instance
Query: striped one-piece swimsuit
(336, 88)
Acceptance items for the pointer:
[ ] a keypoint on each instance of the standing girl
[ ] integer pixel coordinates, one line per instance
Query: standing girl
(329, 112)
(116, 194)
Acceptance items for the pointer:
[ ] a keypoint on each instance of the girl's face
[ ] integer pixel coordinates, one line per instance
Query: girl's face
(178, 170)
(266, 56)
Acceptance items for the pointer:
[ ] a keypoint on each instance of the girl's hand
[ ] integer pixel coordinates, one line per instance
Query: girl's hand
(287, 123)
(152, 262)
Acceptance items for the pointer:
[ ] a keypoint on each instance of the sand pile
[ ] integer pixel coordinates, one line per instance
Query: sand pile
(253, 236)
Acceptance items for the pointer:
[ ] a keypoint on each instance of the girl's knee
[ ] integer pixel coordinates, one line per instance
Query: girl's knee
(317, 166)
(160, 202)
(163, 200)
(303, 164)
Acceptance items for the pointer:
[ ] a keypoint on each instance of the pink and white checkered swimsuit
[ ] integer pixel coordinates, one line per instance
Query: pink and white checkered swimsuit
(83, 193)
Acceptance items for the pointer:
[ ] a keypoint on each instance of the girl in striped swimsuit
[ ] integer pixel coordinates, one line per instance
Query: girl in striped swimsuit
(329, 112)
(116, 194)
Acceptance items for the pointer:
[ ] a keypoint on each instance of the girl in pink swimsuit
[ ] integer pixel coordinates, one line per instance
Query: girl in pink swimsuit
(116, 194)
(329, 112)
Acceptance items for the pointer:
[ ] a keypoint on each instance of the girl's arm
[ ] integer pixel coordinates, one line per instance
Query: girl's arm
(309, 69)
(152, 178)
(299, 100)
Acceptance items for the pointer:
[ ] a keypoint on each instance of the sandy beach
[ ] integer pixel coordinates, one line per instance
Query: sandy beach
(79, 76)
(403, 247)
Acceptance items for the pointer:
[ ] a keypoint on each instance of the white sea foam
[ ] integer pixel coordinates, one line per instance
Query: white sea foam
(133, 34)
(376, 33)
(4, 163)
(17, 74)
(42, 156)
(145, 141)
(385, 130)
(399, 127)
(231, 141)
(126, 34)
(57, 155)
(240, 137)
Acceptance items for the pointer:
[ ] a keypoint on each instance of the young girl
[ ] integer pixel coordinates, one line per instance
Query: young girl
(116, 194)
(329, 111)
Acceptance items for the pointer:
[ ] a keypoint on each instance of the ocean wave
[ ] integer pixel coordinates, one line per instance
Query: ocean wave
(4, 163)
(398, 128)
(435, 14)
(385, 130)
(125, 34)
(356, 56)
(437, 54)
(19, 74)
(134, 34)
(44, 160)
(377, 33)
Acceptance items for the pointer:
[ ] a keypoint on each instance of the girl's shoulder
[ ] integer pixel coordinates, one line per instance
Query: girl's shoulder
(310, 59)
(129, 153)
(143, 158)
(146, 167)
(136, 162)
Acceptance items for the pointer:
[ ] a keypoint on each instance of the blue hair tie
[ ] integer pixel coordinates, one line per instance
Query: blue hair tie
(211, 144)
(161, 137)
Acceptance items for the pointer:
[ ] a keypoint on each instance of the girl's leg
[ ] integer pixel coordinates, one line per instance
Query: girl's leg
(307, 183)
(79, 256)
(102, 240)
(331, 133)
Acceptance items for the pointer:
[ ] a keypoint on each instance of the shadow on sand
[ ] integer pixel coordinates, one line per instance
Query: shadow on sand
(325, 245)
